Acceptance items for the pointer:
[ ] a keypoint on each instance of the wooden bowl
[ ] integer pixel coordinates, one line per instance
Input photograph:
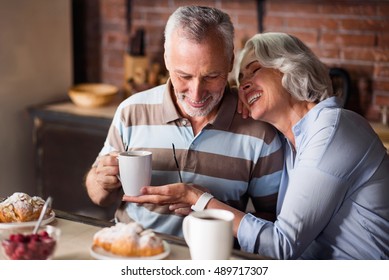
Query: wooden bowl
(92, 95)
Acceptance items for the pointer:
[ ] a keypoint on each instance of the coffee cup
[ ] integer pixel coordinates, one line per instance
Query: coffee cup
(135, 171)
(209, 234)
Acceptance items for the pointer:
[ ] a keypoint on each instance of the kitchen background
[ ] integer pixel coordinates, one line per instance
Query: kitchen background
(47, 46)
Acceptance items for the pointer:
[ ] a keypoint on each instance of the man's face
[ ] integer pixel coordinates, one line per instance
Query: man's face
(198, 73)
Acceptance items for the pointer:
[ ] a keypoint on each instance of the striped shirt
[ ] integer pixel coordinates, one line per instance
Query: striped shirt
(234, 158)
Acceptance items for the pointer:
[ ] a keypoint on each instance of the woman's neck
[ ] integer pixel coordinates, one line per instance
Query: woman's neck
(290, 116)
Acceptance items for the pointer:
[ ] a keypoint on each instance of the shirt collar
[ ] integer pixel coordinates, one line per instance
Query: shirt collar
(223, 117)
(169, 110)
(312, 115)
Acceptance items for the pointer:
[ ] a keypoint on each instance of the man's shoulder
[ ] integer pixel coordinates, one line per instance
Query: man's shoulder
(251, 127)
(151, 96)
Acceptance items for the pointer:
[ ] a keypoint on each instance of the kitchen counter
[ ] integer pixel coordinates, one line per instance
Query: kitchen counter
(67, 140)
(383, 133)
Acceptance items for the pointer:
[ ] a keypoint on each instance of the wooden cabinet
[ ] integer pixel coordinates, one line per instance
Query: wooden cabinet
(67, 140)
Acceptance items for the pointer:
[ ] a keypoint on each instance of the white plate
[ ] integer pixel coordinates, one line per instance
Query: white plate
(100, 254)
(48, 219)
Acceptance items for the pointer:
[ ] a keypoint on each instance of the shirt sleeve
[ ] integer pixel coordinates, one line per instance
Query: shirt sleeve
(114, 139)
(267, 170)
(312, 197)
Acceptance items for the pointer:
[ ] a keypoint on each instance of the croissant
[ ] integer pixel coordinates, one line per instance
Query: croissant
(128, 240)
(20, 207)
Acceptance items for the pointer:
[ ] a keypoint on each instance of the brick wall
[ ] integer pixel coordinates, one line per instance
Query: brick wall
(113, 24)
(118, 23)
(353, 35)
(153, 14)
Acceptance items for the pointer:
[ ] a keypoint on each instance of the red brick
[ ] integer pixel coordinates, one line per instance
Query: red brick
(210, 3)
(112, 77)
(381, 71)
(149, 3)
(381, 55)
(383, 9)
(159, 17)
(356, 40)
(243, 5)
(383, 39)
(113, 9)
(274, 22)
(308, 37)
(362, 54)
(242, 35)
(323, 52)
(112, 38)
(312, 22)
(249, 19)
(361, 25)
(382, 99)
(292, 7)
(381, 85)
(358, 70)
(349, 8)
(115, 61)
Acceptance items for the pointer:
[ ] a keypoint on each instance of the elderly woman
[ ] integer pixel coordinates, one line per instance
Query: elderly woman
(334, 196)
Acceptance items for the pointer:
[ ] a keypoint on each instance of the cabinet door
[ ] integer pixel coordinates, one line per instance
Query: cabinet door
(65, 153)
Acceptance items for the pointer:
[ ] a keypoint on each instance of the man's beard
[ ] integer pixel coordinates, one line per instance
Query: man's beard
(198, 112)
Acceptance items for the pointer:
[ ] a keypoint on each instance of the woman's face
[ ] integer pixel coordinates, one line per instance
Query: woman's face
(260, 89)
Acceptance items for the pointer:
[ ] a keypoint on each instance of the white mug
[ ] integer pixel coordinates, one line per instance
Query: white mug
(208, 234)
(135, 171)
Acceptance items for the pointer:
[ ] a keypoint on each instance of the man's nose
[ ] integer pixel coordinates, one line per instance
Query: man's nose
(197, 89)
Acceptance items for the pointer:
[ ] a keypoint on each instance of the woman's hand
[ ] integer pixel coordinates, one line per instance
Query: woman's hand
(243, 107)
(179, 196)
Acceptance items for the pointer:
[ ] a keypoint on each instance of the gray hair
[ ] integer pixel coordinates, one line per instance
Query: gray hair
(305, 77)
(196, 22)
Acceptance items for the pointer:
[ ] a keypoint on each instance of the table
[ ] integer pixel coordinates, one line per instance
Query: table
(76, 239)
(77, 234)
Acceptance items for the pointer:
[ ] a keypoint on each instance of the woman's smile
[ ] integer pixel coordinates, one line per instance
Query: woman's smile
(253, 96)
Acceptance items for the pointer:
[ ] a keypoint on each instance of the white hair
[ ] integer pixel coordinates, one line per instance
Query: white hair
(305, 77)
(196, 22)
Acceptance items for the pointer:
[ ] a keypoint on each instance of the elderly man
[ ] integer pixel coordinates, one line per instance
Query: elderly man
(233, 159)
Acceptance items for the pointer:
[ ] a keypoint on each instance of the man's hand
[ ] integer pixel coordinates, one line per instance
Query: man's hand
(102, 183)
(107, 171)
(180, 197)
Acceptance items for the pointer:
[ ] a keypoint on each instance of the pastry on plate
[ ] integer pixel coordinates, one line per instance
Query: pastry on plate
(128, 240)
(20, 207)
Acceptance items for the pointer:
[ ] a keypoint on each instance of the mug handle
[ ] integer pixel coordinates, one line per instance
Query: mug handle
(185, 229)
(118, 176)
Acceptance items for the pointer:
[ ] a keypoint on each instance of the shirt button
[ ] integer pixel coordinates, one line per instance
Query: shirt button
(184, 122)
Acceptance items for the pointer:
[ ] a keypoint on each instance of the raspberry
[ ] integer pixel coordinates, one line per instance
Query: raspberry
(44, 234)
(29, 247)
(17, 237)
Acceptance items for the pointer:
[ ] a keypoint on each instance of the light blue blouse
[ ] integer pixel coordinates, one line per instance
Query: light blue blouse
(334, 195)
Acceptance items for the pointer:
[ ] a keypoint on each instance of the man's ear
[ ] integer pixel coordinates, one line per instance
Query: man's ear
(166, 61)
